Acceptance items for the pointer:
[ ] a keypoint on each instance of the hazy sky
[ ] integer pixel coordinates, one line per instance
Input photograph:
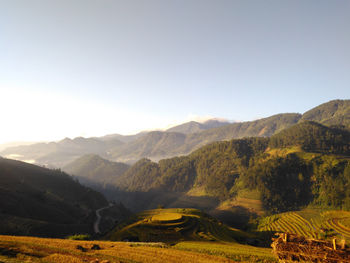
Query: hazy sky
(93, 67)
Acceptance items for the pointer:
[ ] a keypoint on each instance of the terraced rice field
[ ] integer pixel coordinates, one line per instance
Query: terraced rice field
(166, 217)
(310, 223)
(172, 225)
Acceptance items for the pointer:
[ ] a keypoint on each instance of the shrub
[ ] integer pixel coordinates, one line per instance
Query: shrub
(79, 237)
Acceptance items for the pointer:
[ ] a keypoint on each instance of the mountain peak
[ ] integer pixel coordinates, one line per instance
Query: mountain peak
(194, 126)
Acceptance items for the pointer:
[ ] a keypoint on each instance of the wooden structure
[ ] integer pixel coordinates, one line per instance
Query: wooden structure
(294, 248)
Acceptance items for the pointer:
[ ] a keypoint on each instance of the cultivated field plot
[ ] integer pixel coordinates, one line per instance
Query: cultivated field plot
(310, 223)
(173, 225)
(30, 249)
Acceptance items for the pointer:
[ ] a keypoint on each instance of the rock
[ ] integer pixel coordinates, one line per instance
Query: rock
(82, 249)
(95, 247)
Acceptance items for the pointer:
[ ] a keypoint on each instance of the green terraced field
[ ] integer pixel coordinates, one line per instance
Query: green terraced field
(173, 225)
(310, 223)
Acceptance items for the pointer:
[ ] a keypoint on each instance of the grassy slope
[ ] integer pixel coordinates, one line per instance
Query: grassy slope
(20, 249)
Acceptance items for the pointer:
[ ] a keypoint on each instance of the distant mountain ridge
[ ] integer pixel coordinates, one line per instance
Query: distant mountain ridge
(14, 144)
(195, 127)
(157, 145)
(57, 154)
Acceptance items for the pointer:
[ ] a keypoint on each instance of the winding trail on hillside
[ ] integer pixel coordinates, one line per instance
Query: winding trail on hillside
(98, 218)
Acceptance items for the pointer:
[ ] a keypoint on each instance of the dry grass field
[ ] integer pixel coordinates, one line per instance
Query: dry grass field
(31, 249)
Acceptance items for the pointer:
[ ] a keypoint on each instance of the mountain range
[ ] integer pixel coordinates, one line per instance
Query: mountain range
(280, 163)
(176, 141)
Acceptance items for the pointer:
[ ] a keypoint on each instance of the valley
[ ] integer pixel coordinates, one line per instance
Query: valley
(217, 200)
(174, 131)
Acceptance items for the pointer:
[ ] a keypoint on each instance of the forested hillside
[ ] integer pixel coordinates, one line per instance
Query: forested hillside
(335, 112)
(305, 164)
(42, 202)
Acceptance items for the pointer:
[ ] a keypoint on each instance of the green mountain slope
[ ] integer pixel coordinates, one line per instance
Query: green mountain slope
(335, 112)
(199, 169)
(39, 201)
(260, 128)
(304, 164)
(313, 137)
(93, 168)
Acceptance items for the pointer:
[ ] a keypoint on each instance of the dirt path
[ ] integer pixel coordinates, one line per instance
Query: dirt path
(98, 218)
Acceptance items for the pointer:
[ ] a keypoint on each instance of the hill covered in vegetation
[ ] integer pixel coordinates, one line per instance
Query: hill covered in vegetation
(313, 137)
(305, 164)
(172, 225)
(92, 169)
(42, 202)
(335, 112)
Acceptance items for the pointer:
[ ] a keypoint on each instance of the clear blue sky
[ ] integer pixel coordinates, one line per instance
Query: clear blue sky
(88, 67)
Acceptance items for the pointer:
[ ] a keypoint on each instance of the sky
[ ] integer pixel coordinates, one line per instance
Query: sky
(73, 68)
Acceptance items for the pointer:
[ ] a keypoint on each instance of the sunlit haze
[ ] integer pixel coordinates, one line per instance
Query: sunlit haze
(91, 68)
(51, 116)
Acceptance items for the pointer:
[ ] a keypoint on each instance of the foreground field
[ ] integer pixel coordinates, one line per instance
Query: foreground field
(30, 249)
(310, 223)
(235, 251)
